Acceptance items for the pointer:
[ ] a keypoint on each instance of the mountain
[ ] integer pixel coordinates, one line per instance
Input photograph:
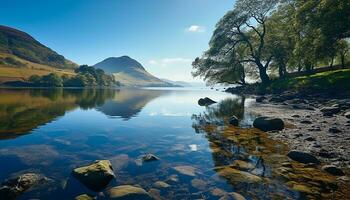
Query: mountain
(185, 84)
(22, 56)
(130, 72)
(22, 45)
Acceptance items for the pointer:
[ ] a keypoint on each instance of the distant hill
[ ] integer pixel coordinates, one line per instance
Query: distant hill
(130, 72)
(185, 84)
(22, 56)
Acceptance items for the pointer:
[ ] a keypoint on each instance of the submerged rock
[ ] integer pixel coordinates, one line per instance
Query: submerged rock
(333, 170)
(268, 124)
(186, 170)
(95, 176)
(206, 101)
(235, 175)
(12, 188)
(242, 165)
(303, 157)
(84, 197)
(149, 158)
(232, 196)
(199, 184)
(128, 192)
(161, 184)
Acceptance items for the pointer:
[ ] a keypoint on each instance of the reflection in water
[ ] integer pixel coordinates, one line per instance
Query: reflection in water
(227, 159)
(127, 103)
(24, 110)
(256, 165)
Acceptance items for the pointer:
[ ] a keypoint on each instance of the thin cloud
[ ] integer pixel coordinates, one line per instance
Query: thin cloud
(170, 61)
(196, 29)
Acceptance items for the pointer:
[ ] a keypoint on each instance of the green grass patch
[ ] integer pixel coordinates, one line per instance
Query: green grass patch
(338, 80)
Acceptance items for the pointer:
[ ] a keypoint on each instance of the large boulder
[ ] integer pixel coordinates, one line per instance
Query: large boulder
(303, 157)
(14, 187)
(95, 176)
(128, 192)
(268, 124)
(206, 101)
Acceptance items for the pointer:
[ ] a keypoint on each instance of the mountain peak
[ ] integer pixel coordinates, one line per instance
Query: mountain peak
(129, 72)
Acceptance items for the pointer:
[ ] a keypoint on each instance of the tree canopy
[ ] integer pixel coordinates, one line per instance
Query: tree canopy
(259, 38)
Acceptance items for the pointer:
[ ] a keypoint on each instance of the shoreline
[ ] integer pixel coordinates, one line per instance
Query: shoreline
(307, 128)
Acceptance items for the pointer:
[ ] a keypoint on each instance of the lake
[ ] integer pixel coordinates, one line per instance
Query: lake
(51, 132)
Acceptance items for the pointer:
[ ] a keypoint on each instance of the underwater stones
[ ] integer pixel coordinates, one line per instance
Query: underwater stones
(331, 169)
(233, 121)
(242, 165)
(206, 101)
(199, 184)
(161, 184)
(149, 158)
(232, 196)
(302, 188)
(303, 157)
(120, 161)
(84, 197)
(14, 187)
(268, 124)
(218, 192)
(128, 192)
(185, 170)
(95, 176)
(238, 176)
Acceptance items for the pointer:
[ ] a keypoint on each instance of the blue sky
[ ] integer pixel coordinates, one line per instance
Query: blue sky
(164, 35)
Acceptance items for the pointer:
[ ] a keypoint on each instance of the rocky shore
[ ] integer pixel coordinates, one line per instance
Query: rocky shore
(318, 124)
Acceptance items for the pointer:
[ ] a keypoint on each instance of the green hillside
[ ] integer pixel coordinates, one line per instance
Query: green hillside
(24, 46)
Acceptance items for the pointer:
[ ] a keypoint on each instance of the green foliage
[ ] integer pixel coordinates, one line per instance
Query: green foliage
(262, 38)
(86, 77)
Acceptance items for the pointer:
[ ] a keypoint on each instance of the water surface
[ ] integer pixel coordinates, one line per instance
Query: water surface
(51, 132)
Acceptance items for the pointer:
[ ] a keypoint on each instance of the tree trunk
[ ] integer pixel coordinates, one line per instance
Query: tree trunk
(342, 61)
(263, 75)
(331, 65)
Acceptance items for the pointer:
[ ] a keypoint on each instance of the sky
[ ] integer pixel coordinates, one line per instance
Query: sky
(164, 35)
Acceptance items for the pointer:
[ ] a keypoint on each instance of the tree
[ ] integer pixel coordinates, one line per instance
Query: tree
(343, 48)
(239, 39)
(51, 80)
(35, 79)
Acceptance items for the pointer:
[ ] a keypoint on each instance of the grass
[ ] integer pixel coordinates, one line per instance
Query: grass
(338, 80)
(26, 69)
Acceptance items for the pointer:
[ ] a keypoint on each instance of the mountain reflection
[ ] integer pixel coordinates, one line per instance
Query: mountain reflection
(128, 103)
(24, 110)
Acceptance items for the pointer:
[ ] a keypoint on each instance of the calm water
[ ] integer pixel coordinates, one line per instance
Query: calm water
(53, 131)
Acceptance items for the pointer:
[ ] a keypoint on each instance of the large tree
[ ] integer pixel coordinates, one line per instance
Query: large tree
(239, 38)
